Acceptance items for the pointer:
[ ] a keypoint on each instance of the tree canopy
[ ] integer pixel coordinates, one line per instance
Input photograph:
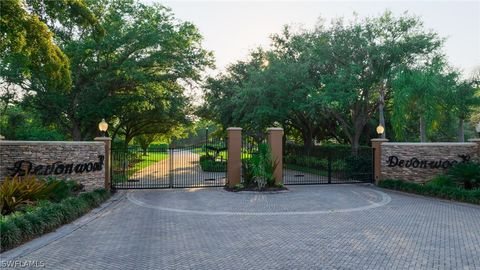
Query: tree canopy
(132, 74)
(325, 84)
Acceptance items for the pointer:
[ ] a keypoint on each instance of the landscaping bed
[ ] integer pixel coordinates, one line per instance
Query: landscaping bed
(461, 183)
(449, 193)
(32, 207)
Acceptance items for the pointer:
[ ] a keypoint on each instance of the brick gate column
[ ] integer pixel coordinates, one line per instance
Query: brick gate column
(234, 158)
(275, 140)
(377, 156)
(108, 159)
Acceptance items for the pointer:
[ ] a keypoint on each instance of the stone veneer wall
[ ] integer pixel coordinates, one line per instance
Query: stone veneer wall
(431, 154)
(80, 154)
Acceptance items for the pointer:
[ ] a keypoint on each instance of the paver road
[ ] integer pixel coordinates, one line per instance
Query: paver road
(306, 227)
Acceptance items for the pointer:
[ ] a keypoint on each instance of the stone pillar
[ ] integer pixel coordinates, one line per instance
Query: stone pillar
(377, 156)
(275, 140)
(234, 157)
(1, 137)
(108, 160)
(477, 141)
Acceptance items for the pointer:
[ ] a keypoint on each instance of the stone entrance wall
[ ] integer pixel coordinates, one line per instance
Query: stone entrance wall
(420, 162)
(83, 162)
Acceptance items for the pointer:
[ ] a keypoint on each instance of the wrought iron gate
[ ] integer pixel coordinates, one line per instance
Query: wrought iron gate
(327, 165)
(200, 165)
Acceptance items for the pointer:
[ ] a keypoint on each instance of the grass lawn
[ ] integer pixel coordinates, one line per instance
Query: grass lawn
(146, 161)
(200, 151)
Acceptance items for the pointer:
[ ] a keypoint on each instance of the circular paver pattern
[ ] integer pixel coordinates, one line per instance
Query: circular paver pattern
(299, 200)
(308, 227)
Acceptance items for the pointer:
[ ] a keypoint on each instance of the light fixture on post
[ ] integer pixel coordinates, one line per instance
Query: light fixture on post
(103, 126)
(380, 129)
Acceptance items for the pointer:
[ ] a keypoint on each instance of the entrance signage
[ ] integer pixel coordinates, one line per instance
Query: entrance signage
(395, 161)
(24, 167)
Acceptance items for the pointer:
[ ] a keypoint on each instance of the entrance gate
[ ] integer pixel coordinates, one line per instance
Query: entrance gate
(327, 165)
(200, 165)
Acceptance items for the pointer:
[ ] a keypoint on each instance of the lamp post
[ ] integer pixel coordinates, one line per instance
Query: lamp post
(103, 126)
(206, 141)
(380, 130)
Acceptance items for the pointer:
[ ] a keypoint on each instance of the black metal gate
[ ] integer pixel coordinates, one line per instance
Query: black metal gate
(327, 165)
(200, 165)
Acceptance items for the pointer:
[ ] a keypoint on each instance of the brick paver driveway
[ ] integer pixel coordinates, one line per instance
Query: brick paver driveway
(307, 227)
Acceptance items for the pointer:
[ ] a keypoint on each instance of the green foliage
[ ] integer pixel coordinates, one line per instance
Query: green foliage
(358, 166)
(263, 166)
(238, 187)
(62, 189)
(28, 51)
(248, 173)
(210, 164)
(309, 89)
(129, 59)
(20, 227)
(18, 122)
(131, 77)
(444, 192)
(18, 192)
(466, 173)
(441, 180)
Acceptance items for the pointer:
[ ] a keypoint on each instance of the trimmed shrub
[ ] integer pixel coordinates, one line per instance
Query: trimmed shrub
(441, 180)
(323, 151)
(209, 164)
(444, 192)
(63, 189)
(46, 216)
(11, 235)
(466, 173)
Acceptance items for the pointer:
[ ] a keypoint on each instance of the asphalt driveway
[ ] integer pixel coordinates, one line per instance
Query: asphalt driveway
(306, 227)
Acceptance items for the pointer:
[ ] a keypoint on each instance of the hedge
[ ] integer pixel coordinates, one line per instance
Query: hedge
(443, 192)
(334, 151)
(20, 227)
(209, 164)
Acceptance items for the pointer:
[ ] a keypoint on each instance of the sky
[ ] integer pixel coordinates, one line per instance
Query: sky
(231, 29)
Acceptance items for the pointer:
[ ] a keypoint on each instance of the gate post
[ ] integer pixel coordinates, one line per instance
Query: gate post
(275, 140)
(108, 159)
(234, 157)
(377, 157)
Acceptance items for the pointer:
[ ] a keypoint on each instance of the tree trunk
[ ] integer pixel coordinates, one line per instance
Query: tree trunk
(423, 133)
(356, 143)
(128, 138)
(307, 142)
(76, 132)
(461, 130)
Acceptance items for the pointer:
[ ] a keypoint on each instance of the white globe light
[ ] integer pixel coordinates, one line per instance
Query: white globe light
(103, 126)
(380, 129)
